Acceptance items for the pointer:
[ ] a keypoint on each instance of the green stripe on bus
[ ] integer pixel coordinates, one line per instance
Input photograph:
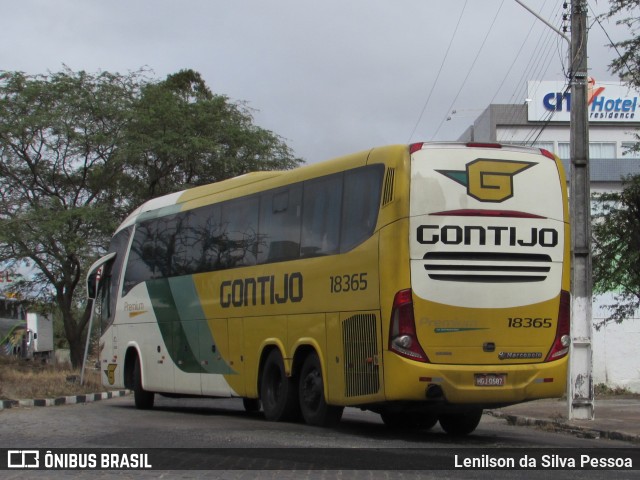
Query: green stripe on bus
(195, 325)
(171, 326)
(184, 327)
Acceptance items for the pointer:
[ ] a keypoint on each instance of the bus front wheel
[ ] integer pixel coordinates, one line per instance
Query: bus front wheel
(460, 423)
(278, 393)
(311, 392)
(143, 399)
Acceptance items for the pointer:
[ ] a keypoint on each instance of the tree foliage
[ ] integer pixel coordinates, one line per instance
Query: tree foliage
(626, 63)
(616, 248)
(58, 141)
(628, 59)
(616, 227)
(79, 151)
(182, 134)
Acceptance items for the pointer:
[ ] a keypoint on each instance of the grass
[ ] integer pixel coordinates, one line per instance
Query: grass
(603, 390)
(22, 379)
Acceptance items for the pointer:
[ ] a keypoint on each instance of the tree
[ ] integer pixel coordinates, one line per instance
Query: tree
(616, 245)
(627, 61)
(616, 227)
(79, 151)
(182, 135)
(58, 138)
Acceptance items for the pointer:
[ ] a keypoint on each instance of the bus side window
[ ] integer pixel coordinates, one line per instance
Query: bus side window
(201, 240)
(322, 205)
(280, 221)
(141, 263)
(184, 243)
(361, 199)
(110, 283)
(164, 249)
(239, 239)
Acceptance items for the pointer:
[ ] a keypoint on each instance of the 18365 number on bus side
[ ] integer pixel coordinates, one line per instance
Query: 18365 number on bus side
(348, 283)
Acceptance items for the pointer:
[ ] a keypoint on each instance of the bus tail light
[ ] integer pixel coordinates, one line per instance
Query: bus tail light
(483, 145)
(562, 341)
(403, 338)
(547, 154)
(415, 147)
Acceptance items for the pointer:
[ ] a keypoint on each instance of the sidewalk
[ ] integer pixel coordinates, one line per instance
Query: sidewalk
(616, 417)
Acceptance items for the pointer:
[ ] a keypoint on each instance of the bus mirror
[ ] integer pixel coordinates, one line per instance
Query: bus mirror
(94, 276)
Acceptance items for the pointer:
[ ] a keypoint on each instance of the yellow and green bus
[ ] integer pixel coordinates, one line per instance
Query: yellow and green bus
(424, 282)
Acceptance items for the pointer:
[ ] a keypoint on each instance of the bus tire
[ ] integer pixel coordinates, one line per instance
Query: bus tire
(142, 398)
(460, 423)
(251, 405)
(313, 405)
(410, 421)
(278, 393)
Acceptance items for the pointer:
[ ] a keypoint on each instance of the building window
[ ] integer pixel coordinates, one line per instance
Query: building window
(627, 153)
(564, 150)
(596, 150)
(602, 150)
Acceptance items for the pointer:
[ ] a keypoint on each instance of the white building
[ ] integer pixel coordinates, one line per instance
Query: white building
(543, 121)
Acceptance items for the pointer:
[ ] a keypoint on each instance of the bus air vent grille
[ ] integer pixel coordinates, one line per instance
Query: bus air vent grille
(389, 182)
(487, 267)
(361, 370)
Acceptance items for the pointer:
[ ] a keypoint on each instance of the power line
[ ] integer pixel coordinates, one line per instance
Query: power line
(615, 47)
(424, 108)
(537, 67)
(515, 59)
(470, 70)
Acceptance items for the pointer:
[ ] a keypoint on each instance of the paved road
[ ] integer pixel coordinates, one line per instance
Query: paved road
(320, 453)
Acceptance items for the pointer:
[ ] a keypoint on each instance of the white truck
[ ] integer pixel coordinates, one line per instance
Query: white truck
(39, 337)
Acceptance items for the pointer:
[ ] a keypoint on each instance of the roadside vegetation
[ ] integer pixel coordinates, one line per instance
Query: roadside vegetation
(603, 390)
(22, 379)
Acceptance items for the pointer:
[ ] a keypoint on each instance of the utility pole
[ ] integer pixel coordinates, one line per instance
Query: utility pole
(580, 388)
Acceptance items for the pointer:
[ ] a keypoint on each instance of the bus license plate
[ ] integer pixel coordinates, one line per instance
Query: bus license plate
(490, 379)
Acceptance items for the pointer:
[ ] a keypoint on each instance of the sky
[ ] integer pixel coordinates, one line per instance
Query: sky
(330, 77)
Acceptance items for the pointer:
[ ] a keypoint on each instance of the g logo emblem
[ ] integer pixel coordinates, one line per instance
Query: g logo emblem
(111, 373)
(488, 180)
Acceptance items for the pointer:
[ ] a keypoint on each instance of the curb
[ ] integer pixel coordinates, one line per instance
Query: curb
(562, 426)
(68, 400)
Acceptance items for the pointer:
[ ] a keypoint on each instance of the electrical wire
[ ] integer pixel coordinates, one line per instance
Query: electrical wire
(536, 68)
(538, 58)
(515, 59)
(469, 71)
(446, 55)
(630, 71)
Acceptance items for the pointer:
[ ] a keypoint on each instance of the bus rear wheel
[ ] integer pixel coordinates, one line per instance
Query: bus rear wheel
(313, 405)
(278, 393)
(460, 423)
(142, 398)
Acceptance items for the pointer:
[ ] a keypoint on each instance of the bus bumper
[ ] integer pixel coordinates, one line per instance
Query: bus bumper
(459, 384)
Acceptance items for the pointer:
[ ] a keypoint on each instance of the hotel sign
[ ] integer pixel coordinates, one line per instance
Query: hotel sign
(607, 102)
